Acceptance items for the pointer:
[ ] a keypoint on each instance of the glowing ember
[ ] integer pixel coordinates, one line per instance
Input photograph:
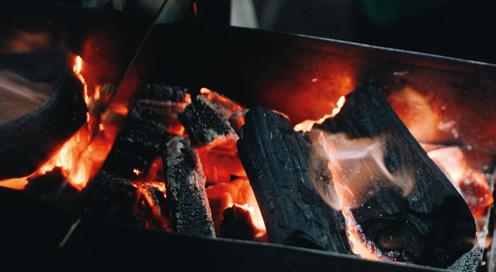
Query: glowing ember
(308, 124)
(237, 192)
(156, 217)
(136, 171)
(14, 183)
(472, 184)
(358, 243)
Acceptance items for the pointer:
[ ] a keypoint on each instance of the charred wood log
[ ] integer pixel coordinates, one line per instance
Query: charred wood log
(278, 163)
(205, 126)
(111, 198)
(189, 208)
(139, 142)
(30, 140)
(431, 225)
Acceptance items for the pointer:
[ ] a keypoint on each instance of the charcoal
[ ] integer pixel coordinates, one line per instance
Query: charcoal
(53, 187)
(204, 124)
(152, 207)
(139, 142)
(45, 184)
(432, 224)
(278, 163)
(30, 140)
(111, 198)
(163, 92)
(162, 104)
(222, 104)
(189, 208)
(237, 224)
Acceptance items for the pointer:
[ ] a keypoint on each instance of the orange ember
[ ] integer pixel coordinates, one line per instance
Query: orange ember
(472, 184)
(308, 124)
(358, 243)
(237, 192)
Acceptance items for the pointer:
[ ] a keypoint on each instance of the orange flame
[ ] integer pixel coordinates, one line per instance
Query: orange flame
(307, 125)
(358, 243)
(81, 156)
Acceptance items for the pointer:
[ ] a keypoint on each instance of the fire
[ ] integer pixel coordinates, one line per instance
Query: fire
(358, 243)
(81, 156)
(70, 158)
(472, 184)
(354, 163)
(237, 192)
(307, 125)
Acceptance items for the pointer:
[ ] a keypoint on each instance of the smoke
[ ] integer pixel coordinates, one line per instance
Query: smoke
(20, 96)
(357, 167)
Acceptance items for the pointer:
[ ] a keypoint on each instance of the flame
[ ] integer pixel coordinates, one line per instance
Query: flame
(158, 218)
(472, 184)
(354, 165)
(237, 192)
(81, 156)
(358, 243)
(307, 125)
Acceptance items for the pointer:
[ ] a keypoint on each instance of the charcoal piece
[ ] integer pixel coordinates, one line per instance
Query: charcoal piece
(204, 124)
(30, 140)
(433, 212)
(222, 104)
(53, 187)
(237, 119)
(163, 92)
(45, 184)
(189, 208)
(237, 224)
(152, 207)
(278, 163)
(139, 142)
(111, 198)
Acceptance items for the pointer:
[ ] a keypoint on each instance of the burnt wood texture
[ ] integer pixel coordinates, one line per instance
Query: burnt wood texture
(139, 142)
(30, 140)
(204, 124)
(432, 225)
(189, 209)
(277, 161)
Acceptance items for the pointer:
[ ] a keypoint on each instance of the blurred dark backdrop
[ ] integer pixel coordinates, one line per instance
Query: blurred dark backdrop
(454, 28)
(448, 27)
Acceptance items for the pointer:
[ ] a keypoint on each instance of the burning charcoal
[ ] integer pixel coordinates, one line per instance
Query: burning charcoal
(152, 205)
(205, 126)
(111, 198)
(162, 104)
(52, 187)
(45, 184)
(237, 120)
(162, 92)
(220, 166)
(223, 105)
(422, 216)
(237, 223)
(30, 140)
(189, 209)
(277, 161)
(139, 142)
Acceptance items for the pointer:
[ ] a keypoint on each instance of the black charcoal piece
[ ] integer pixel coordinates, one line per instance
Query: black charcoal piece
(189, 208)
(432, 224)
(278, 163)
(204, 124)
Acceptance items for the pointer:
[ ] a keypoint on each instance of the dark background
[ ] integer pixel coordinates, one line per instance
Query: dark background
(455, 28)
